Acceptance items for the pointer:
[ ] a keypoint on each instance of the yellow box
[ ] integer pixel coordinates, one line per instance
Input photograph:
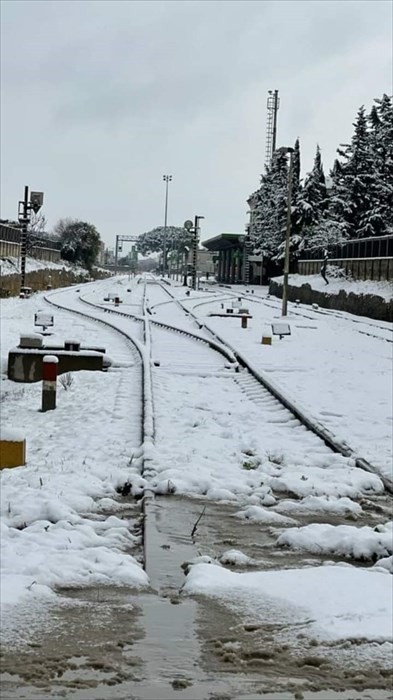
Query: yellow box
(266, 340)
(12, 453)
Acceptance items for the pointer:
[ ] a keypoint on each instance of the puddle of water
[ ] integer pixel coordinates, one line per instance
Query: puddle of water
(170, 646)
(177, 658)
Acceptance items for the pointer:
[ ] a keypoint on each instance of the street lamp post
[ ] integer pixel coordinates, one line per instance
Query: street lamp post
(167, 179)
(287, 149)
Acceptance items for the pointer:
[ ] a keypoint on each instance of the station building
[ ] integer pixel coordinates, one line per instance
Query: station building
(230, 252)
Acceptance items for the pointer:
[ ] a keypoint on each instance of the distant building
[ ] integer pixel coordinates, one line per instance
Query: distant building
(101, 254)
(207, 262)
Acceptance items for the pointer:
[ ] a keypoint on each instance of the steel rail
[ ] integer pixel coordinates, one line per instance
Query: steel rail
(307, 420)
(147, 428)
(147, 423)
(221, 348)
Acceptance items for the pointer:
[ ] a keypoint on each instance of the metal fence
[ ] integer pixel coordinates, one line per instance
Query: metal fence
(10, 234)
(375, 247)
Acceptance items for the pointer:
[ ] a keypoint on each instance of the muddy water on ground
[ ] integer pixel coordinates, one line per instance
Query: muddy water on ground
(116, 644)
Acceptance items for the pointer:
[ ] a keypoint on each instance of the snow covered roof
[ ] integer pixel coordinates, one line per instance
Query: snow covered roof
(224, 241)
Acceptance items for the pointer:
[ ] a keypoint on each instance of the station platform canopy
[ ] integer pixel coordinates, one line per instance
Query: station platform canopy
(225, 241)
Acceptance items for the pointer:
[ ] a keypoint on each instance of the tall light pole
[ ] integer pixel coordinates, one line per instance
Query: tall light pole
(287, 149)
(167, 179)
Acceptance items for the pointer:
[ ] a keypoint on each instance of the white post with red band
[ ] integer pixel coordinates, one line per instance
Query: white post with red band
(49, 382)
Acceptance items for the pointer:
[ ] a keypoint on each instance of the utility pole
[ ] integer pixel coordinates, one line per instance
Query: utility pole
(116, 253)
(167, 179)
(287, 149)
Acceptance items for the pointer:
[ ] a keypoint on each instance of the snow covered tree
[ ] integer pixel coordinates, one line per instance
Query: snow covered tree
(381, 145)
(80, 242)
(314, 193)
(37, 223)
(354, 197)
(312, 205)
(153, 241)
(296, 183)
(270, 207)
(62, 224)
(297, 218)
(359, 202)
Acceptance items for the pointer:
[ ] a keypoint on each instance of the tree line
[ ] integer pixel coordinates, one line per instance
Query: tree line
(79, 241)
(356, 203)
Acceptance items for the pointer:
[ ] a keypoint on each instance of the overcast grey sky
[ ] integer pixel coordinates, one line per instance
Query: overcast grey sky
(101, 98)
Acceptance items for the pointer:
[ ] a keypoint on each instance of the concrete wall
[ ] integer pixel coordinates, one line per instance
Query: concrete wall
(25, 365)
(369, 305)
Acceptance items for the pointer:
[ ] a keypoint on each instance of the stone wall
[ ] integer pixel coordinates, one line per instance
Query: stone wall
(369, 305)
(44, 279)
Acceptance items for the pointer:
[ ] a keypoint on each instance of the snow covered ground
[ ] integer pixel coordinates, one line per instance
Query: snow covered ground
(53, 527)
(327, 602)
(11, 265)
(332, 366)
(381, 288)
(62, 522)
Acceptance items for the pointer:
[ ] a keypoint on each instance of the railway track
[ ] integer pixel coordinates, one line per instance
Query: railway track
(308, 421)
(200, 371)
(257, 384)
(310, 313)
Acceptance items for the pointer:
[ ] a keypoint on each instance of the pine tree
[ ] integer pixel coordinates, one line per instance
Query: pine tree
(296, 184)
(381, 144)
(297, 197)
(313, 203)
(354, 183)
(270, 207)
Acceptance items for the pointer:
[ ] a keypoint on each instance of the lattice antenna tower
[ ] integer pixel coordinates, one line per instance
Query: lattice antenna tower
(273, 104)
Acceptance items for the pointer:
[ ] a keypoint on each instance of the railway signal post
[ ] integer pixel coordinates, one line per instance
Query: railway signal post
(194, 229)
(24, 213)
